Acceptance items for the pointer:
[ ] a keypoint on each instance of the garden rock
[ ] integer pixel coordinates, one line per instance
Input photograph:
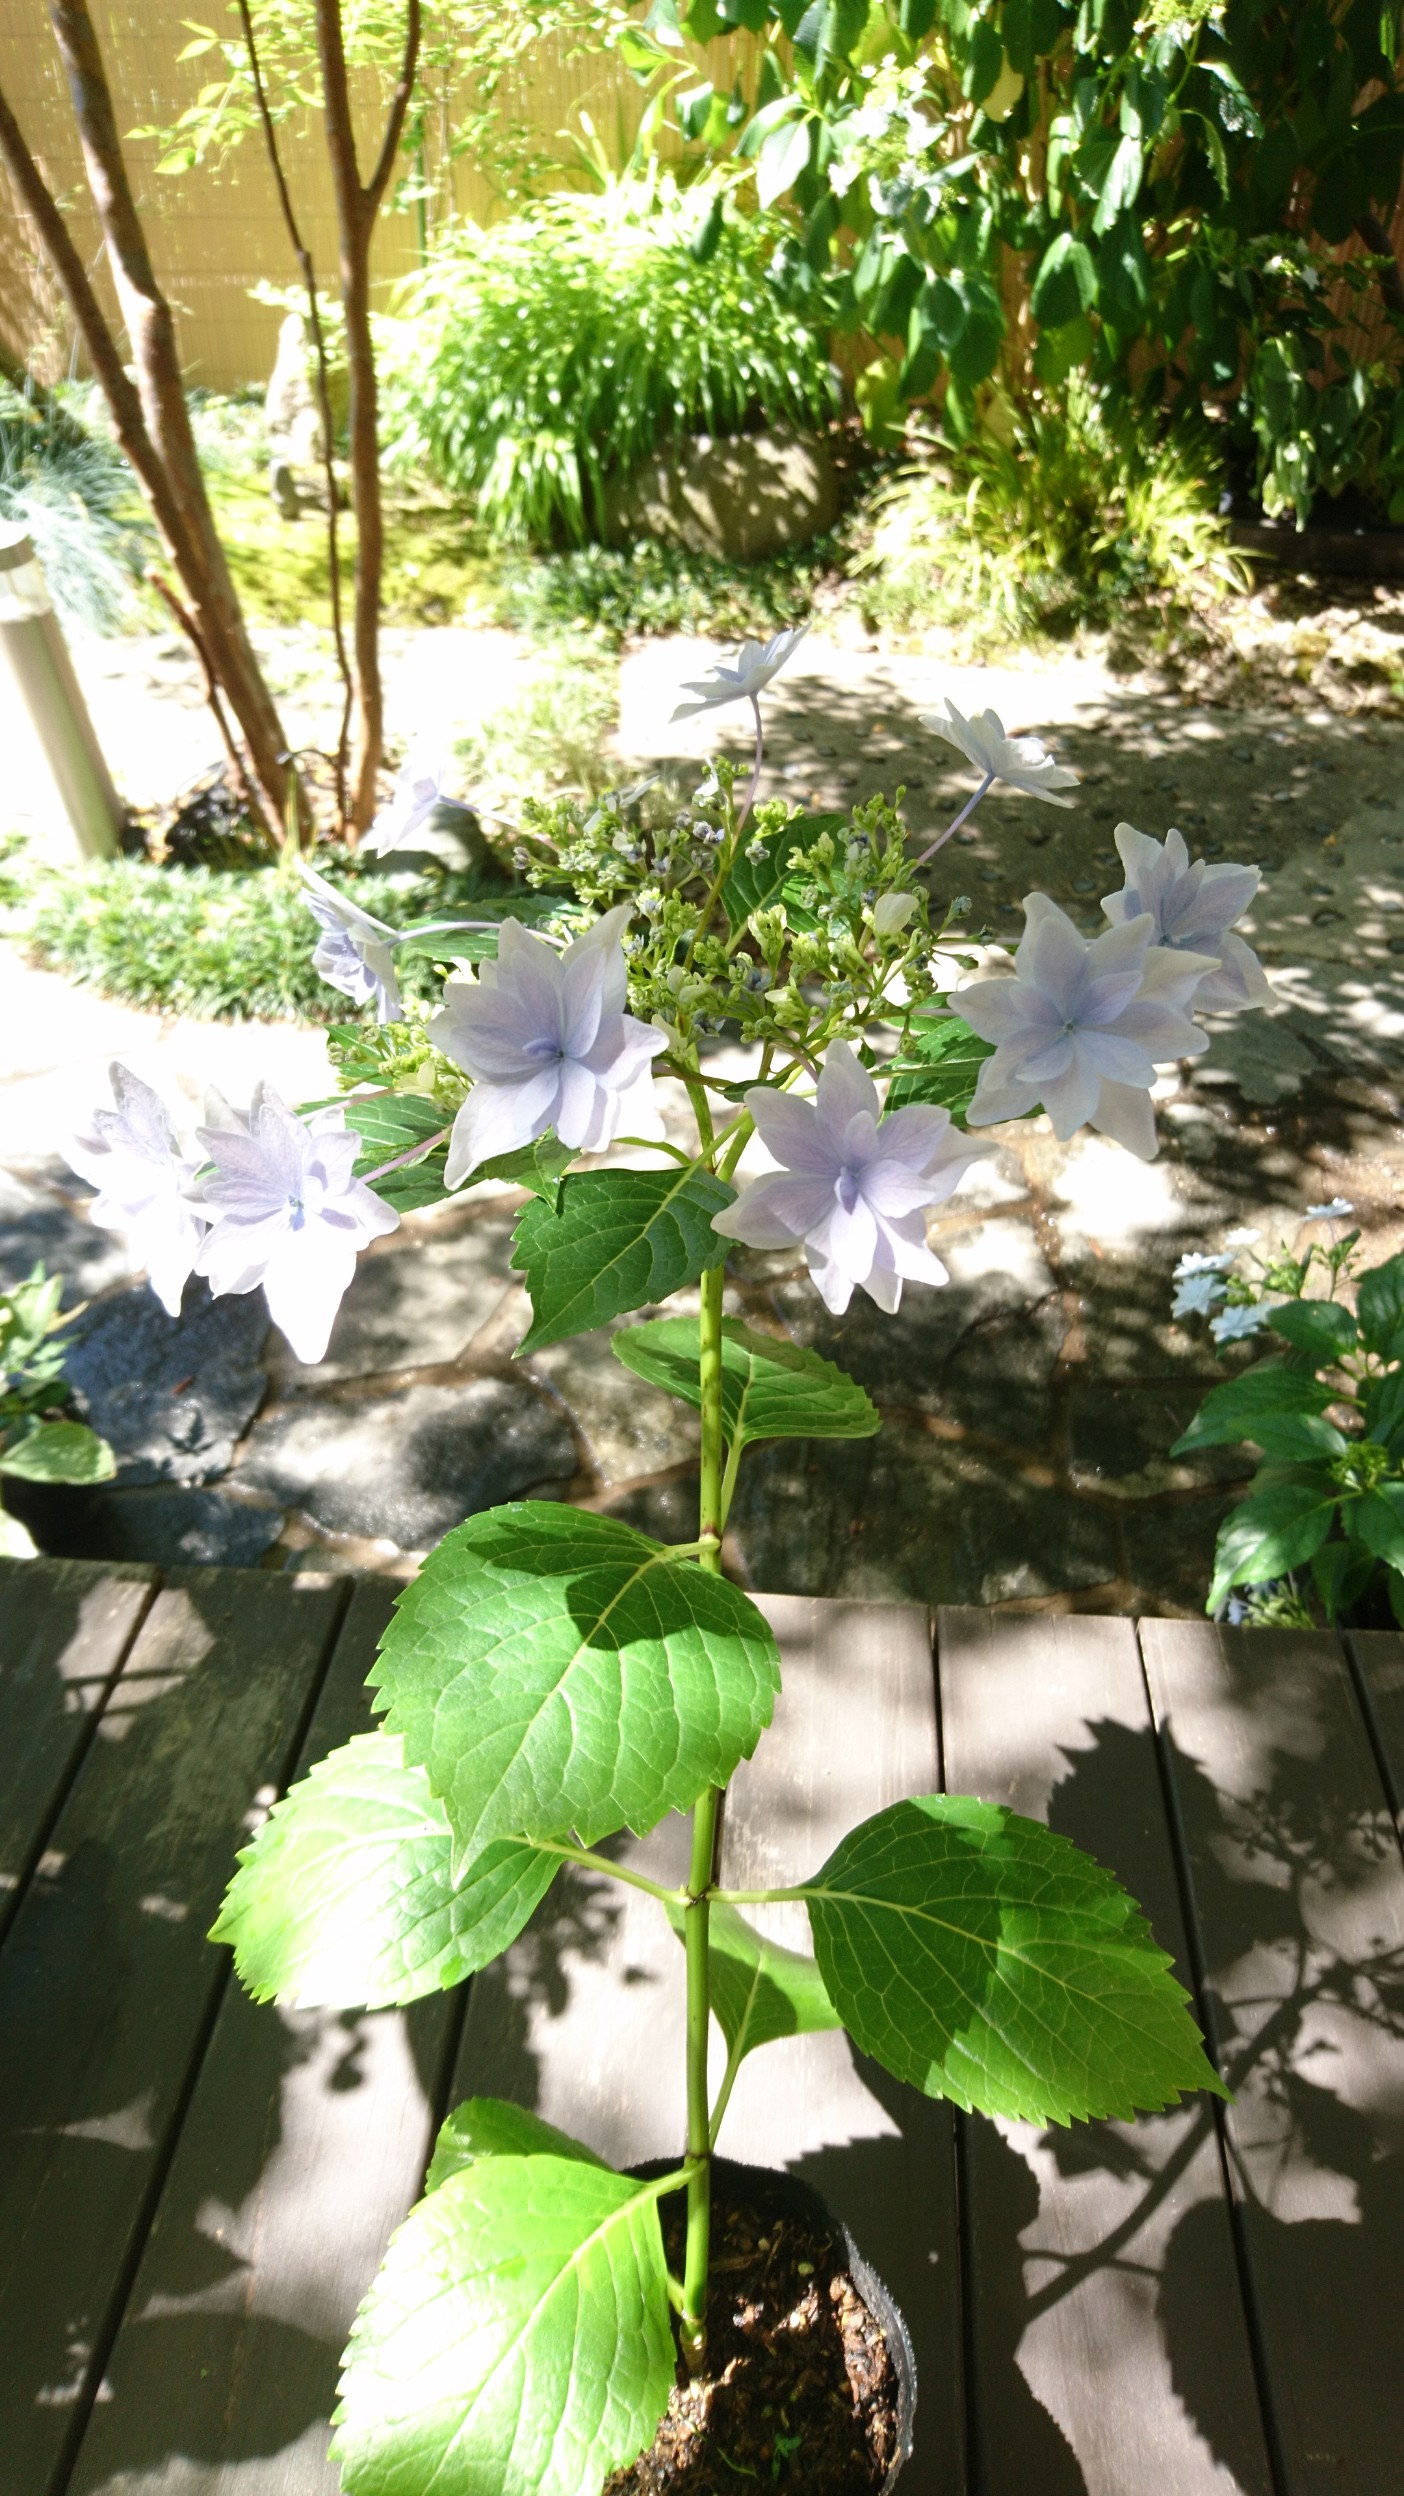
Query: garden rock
(755, 495)
(172, 1396)
(404, 1468)
(290, 412)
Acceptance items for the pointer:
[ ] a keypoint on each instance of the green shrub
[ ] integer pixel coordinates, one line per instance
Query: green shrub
(197, 940)
(542, 356)
(70, 489)
(550, 736)
(1081, 510)
(652, 588)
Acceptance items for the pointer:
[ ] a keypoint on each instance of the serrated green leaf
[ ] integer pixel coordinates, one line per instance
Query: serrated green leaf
(1384, 1408)
(554, 1670)
(944, 1070)
(770, 1389)
(991, 1962)
(1241, 1407)
(392, 1123)
(1380, 1300)
(759, 1989)
(615, 1240)
(492, 2127)
(1274, 1530)
(516, 2339)
(1323, 1329)
(346, 1898)
(1377, 1520)
(59, 1451)
(757, 883)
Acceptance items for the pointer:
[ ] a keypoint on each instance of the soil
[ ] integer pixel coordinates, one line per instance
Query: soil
(801, 2391)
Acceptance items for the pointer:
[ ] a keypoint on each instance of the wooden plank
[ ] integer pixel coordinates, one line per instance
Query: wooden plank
(107, 1984)
(304, 2145)
(1378, 1657)
(583, 2019)
(1110, 2352)
(1298, 1905)
(67, 1626)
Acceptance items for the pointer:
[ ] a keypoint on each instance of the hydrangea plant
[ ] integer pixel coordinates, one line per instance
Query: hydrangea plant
(551, 1677)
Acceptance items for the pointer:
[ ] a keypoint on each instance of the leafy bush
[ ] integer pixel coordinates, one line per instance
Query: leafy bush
(541, 357)
(1324, 1513)
(38, 1443)
(196, 940)
(550, 737)
(71, 490)
(653, 588)
(1080, 510)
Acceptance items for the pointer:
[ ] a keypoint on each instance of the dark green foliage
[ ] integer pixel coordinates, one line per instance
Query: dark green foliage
(71, 491)
(652, 588)
(37, 1442)
(545, 355)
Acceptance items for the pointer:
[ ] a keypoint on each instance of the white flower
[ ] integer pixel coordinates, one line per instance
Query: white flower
(1193, 1263)
(1194, 909)
(749, 676)
(1241, 1238)
(353, 952)
(1336, 1211)
(418, 790)
(1082, 1025)
(1231, 1325)
(133, 1159)
(287, 1213)
(891, 912)
(1198, 1295)
(546, 1038)
(851, 1184)
(1024, 762)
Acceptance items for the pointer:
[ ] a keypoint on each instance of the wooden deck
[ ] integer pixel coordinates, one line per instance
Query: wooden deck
(195, 2192)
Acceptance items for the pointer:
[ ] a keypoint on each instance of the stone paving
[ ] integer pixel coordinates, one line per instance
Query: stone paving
(1028, 1409)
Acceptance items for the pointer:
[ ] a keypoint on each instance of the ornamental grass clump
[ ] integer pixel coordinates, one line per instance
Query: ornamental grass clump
(536, 359)
(552, 1678)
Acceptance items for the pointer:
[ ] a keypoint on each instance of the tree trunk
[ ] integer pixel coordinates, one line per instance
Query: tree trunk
(357, 206)
(152, 421)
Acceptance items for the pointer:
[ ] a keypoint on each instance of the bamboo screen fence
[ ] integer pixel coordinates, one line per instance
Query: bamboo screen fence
(216, 233)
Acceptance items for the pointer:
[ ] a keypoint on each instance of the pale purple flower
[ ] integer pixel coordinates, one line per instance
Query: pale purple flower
(418, 790)
(1233, 1325)
(1194, 909)
(286, 1212)
(1081, 1026)
(1336, 1211)
(751, 673)
(1192, 1263)
(548, 1043)
(354, 950)
(1023, 762)
(852, 1184)
(133, 1158)
(1199, 1295)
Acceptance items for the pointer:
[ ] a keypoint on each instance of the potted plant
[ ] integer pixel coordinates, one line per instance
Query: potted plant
(552, 1677)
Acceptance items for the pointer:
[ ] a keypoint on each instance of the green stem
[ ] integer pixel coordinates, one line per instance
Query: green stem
(710, 1510)
(590, 1862)
(734, 2061)
(692, 2327)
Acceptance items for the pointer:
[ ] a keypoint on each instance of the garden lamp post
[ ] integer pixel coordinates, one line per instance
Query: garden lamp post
(33, 642)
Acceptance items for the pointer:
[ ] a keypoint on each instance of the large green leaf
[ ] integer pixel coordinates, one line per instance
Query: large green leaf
(1066, 284)
(346, 1898)
(1246, 1407)
(554, 1670)
(1320, 1328)
(1381, 1304)
(757, 883)
(59, 1451)
(516, 2341)
(393, 1123)
(991, 1962)
(943, 1068)
(759, 1989)
(1273, 1531)
(492, 2127)
(770, 1389)
(615, 1240)
(1377, 1520)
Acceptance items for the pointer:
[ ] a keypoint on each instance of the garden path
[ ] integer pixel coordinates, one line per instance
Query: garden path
(1029, 1408)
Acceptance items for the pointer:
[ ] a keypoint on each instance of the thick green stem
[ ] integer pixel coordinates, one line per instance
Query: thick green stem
(692, 2328)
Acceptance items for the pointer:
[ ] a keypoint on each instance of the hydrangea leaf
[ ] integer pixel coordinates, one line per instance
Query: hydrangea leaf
(1381, 1303)
(1275, 1530)
(760, 1990)
(516, 2339)
(1243, 1406)
(945, 1070)
(492, 2127)
(758, 883)
(615, 1240)
(392, 1123)
(554, 1670)
(770, 1389)
(59, 1451)
(1320, 1328)
(989, 1961)
(346, 1897)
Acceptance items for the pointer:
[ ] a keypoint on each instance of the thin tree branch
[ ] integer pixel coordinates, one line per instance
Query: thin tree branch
(399, 107)
(192, 631)
(309, 278)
